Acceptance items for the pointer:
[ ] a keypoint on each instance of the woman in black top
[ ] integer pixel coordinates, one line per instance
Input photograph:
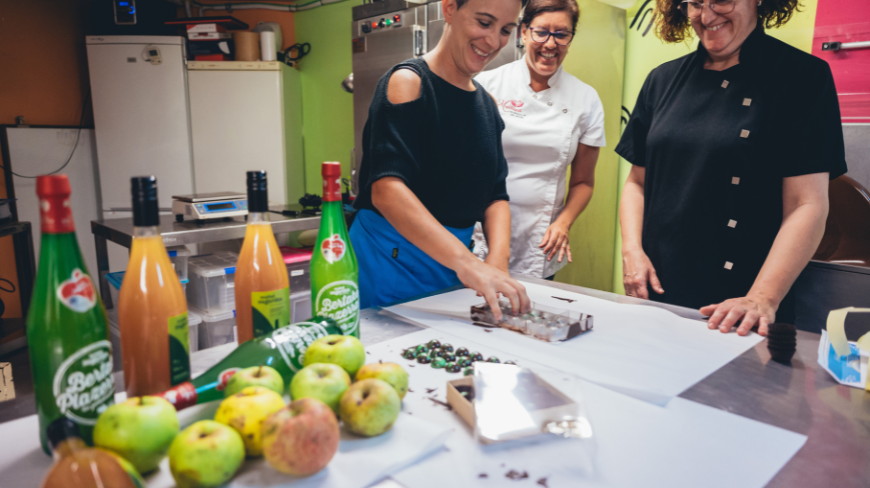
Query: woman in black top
(433, 165)
(732, 147)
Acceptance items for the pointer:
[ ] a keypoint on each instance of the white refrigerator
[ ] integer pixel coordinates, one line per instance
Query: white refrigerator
(141, 117)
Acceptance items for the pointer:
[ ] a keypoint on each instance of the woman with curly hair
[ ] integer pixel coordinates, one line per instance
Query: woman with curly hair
(731, 148)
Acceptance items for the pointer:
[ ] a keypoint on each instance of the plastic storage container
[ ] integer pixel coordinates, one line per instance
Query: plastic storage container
(300, 306)
(217, 328)
(211, 287)
(298, 263)
(179, 255)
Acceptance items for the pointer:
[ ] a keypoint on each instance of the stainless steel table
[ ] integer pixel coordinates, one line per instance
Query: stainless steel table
(120, 231)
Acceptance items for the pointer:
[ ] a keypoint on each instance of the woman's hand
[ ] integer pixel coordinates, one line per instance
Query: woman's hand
(555, 243)
(748, 311)
(638, 274)
(490, 282)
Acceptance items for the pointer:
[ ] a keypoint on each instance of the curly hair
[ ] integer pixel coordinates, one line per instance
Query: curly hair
(673, 26)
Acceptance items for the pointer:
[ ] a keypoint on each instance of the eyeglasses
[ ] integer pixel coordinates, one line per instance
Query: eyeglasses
(692, 9)
(541, 36)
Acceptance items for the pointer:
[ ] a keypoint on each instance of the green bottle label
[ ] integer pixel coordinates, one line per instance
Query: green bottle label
(292, 342)
(179, 349)
(339, 301)
(270, 310)
(83, 386)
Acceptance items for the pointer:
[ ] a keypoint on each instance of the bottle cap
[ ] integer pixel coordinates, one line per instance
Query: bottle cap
(331, 169)
(60, 430)
(258, 193)
(52, 186)
(55, 213)
(144, 192)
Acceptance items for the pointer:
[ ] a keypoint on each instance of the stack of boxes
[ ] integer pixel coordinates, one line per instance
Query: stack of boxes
(208, 39)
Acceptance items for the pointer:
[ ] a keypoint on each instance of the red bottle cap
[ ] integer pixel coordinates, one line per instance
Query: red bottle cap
(331, 171)
(54, 208)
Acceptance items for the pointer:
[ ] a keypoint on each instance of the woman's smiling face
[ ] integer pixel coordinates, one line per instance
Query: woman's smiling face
(723, 34)
(545, 58)
(481, 28)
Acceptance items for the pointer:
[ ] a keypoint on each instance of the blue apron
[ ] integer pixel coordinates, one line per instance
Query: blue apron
(391, 269)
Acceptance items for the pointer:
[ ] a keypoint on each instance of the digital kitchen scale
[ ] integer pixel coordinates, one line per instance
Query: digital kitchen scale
(204, 206)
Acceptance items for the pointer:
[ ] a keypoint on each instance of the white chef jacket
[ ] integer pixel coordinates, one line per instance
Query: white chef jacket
(540, 140)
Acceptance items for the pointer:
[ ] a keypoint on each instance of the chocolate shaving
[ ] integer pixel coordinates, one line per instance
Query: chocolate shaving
(410, 390)
(487, 330)
(516, 475)
(483, 475)
(439, 402)
(542, 481)
(569, 300)
(484, 324)
(431, 390)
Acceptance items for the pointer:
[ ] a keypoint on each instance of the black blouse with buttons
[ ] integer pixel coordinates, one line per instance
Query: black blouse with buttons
(716, 146)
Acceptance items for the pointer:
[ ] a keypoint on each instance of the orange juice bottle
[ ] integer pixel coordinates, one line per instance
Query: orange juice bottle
(261, 284)
(152, 309)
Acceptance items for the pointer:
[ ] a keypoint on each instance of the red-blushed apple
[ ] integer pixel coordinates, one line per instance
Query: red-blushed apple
(369, 407)
(205, 454)
(255, 376)
(345, 351)
(139, 429)
(245, 411)
(392, 373)
(323, 381)
(301, 438)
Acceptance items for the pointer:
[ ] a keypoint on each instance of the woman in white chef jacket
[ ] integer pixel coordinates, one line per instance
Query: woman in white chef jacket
(552, 120)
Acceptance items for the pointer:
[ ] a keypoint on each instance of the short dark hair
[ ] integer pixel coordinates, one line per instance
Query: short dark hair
(460, 3)
(535, 8)
(672, 26)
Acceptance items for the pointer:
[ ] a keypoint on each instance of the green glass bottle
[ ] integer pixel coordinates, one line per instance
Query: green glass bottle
(70, 354)
(334, 269)
(282, 349)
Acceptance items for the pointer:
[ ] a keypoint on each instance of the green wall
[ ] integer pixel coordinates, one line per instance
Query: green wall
(597, 57)
(327, 110)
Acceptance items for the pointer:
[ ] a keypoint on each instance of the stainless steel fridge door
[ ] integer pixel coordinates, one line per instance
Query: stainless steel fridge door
(375, 50)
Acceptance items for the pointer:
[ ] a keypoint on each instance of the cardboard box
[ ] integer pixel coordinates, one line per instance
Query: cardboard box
(7, 387)
(461, 405)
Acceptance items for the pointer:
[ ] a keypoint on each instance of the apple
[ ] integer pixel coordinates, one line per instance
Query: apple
(369, 407)
(345, 351)
(301, 438)
(323, 381)
(392, 373)
(139, 429)
(255, 376)
(246, 410)
(205, 454)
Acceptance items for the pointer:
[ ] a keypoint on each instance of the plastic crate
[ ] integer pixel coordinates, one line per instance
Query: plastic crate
(179, 256)
(212, 287)
(298, 263)
(216, 328)
(300, 306)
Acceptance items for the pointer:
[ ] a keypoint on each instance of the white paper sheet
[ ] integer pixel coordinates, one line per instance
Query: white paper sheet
(359, 461)
(635, 443)
(644, 351)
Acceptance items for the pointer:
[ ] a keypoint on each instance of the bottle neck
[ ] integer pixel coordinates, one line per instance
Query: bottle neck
(145, 231)
(55, 215)
(331, 189)
(258, 217)
(67, 447)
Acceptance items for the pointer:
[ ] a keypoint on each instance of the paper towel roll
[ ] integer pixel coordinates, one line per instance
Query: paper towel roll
(267, 46)
(247, 45)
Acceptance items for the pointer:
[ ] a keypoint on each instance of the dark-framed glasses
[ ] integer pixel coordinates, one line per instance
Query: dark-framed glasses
(541, 36)
(692, 9)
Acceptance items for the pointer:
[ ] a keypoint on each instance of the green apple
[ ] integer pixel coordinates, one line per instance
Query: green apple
(139, 429)
(323, 381)
(205, 454)
(345, 351)
(369, 407)
(246, 410)
(255, 376)
(302, 438)
(392, 373)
